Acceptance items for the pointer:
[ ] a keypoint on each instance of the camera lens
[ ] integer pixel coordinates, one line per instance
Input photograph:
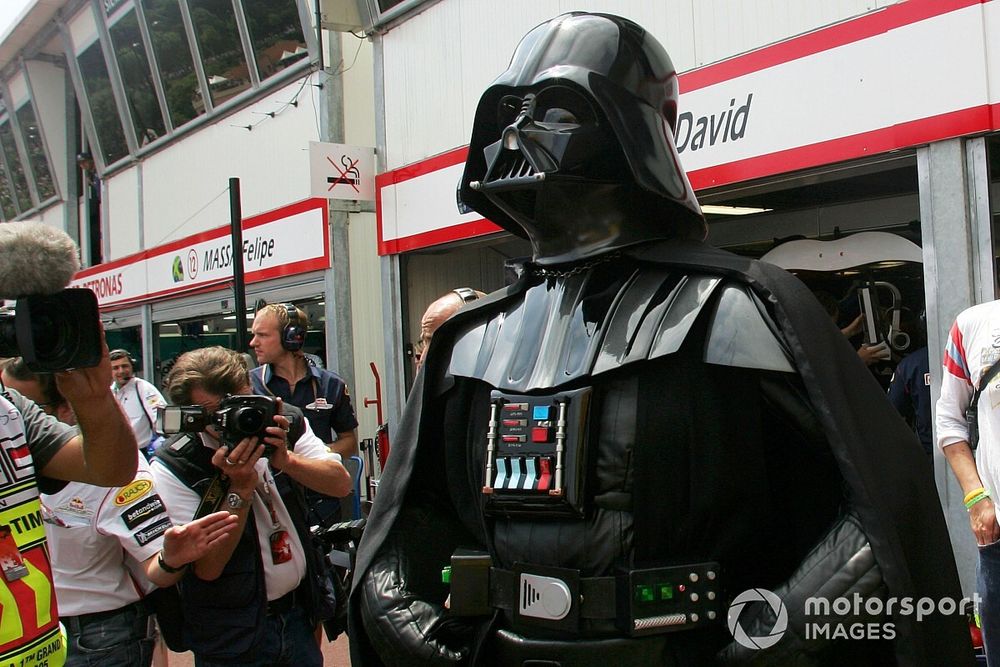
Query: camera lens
(249, 421)
(53, 335)
(57, 331)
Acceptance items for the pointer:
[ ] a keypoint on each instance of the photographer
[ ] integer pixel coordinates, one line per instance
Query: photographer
(251, 602)
(110, 547)
(38, 262)
(102, 451)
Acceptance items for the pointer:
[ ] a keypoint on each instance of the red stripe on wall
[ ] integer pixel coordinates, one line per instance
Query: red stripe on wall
(421, 168)
(212, 234)
(823, 39)
(466, 230)
(905, 135)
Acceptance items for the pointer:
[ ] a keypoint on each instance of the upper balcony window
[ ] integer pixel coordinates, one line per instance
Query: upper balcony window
(137, 79)
(8, 207)
(15, 170)
(173, 60)
(170, 62)
(221, 49)
(276, 34)
(101, 99)
(31, 133)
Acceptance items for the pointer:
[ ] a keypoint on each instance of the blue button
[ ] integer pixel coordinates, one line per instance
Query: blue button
(541, 412)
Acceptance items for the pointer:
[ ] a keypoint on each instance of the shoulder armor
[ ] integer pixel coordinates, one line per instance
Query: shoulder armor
(574, 326)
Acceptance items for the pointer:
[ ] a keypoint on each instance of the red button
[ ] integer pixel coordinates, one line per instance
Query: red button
(541, 434)
(545, 473)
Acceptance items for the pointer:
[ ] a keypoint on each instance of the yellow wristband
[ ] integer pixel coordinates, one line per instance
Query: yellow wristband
(972, 494)
(975, 499)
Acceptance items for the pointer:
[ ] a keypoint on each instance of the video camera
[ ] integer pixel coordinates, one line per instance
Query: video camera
(53, 332)
(237, 417)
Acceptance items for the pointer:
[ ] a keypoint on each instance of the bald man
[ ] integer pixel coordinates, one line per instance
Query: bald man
(436, 314)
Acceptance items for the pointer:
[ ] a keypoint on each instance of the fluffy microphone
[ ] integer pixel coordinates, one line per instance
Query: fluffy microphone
(35, 259)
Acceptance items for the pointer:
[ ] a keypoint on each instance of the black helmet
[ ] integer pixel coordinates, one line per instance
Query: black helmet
(573, 145)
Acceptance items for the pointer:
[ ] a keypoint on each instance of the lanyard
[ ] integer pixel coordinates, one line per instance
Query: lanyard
(266, 497)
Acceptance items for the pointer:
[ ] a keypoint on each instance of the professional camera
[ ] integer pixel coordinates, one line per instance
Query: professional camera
(236, 418)
(53, 332)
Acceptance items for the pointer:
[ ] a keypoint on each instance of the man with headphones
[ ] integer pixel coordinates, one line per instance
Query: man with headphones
(279, 333)
(138, 398)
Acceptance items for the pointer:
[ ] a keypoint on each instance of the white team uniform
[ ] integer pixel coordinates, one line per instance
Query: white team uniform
(139, 399)
(98, 536)
(279, 579)
(973, 346)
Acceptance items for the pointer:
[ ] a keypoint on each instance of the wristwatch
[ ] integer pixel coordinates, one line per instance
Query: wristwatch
(234, 501)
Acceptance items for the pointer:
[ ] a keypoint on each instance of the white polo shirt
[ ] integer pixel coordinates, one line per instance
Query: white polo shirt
(182, 503)
(973, 346)
(98, 537)
(139, 399)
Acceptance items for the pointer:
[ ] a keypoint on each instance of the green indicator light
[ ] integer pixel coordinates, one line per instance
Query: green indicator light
(446, 575)
(644, 593)
(666, 591)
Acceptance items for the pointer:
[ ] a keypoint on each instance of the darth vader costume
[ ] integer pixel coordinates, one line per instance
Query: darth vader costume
(597, 460)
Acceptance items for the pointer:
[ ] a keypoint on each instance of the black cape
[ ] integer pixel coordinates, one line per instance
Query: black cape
(889, 483)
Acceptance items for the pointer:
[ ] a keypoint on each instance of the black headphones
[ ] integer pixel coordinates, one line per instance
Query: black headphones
(122, 354)
(466, 294)
(293, 336)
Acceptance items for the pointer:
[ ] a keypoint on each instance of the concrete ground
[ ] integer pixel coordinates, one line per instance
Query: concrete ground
(335, 654)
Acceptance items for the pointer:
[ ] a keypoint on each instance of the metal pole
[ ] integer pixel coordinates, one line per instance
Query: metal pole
(239, 288)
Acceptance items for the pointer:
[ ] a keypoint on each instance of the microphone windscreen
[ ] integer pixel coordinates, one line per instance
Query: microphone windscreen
(35, 259)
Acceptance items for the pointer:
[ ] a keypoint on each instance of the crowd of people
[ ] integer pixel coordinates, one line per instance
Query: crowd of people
(212, 530)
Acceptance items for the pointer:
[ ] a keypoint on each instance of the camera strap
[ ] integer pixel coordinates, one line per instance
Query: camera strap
(972, 411)
(985, 380)
(191, 463)
(212, 500)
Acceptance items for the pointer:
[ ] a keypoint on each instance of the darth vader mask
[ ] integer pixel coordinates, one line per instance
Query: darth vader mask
(573, 145)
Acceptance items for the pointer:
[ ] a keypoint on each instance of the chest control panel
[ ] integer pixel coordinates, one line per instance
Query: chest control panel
(536, 453)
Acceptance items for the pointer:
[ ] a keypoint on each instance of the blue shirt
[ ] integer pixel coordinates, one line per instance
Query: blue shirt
(321, 395)
(910, 393)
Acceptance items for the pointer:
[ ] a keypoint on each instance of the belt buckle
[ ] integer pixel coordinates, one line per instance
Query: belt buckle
(547, 597)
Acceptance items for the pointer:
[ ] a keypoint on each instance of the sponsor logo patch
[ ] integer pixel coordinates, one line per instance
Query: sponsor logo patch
(132, 492)
(144, 537)
(142, 512)
(77, 507)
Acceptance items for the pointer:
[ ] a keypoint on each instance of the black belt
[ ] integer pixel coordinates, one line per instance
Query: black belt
(75, 623)
(597, 594)
(283, 604)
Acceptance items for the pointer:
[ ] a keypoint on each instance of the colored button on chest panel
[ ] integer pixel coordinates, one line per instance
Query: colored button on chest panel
(541, 412)
(542, 434)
